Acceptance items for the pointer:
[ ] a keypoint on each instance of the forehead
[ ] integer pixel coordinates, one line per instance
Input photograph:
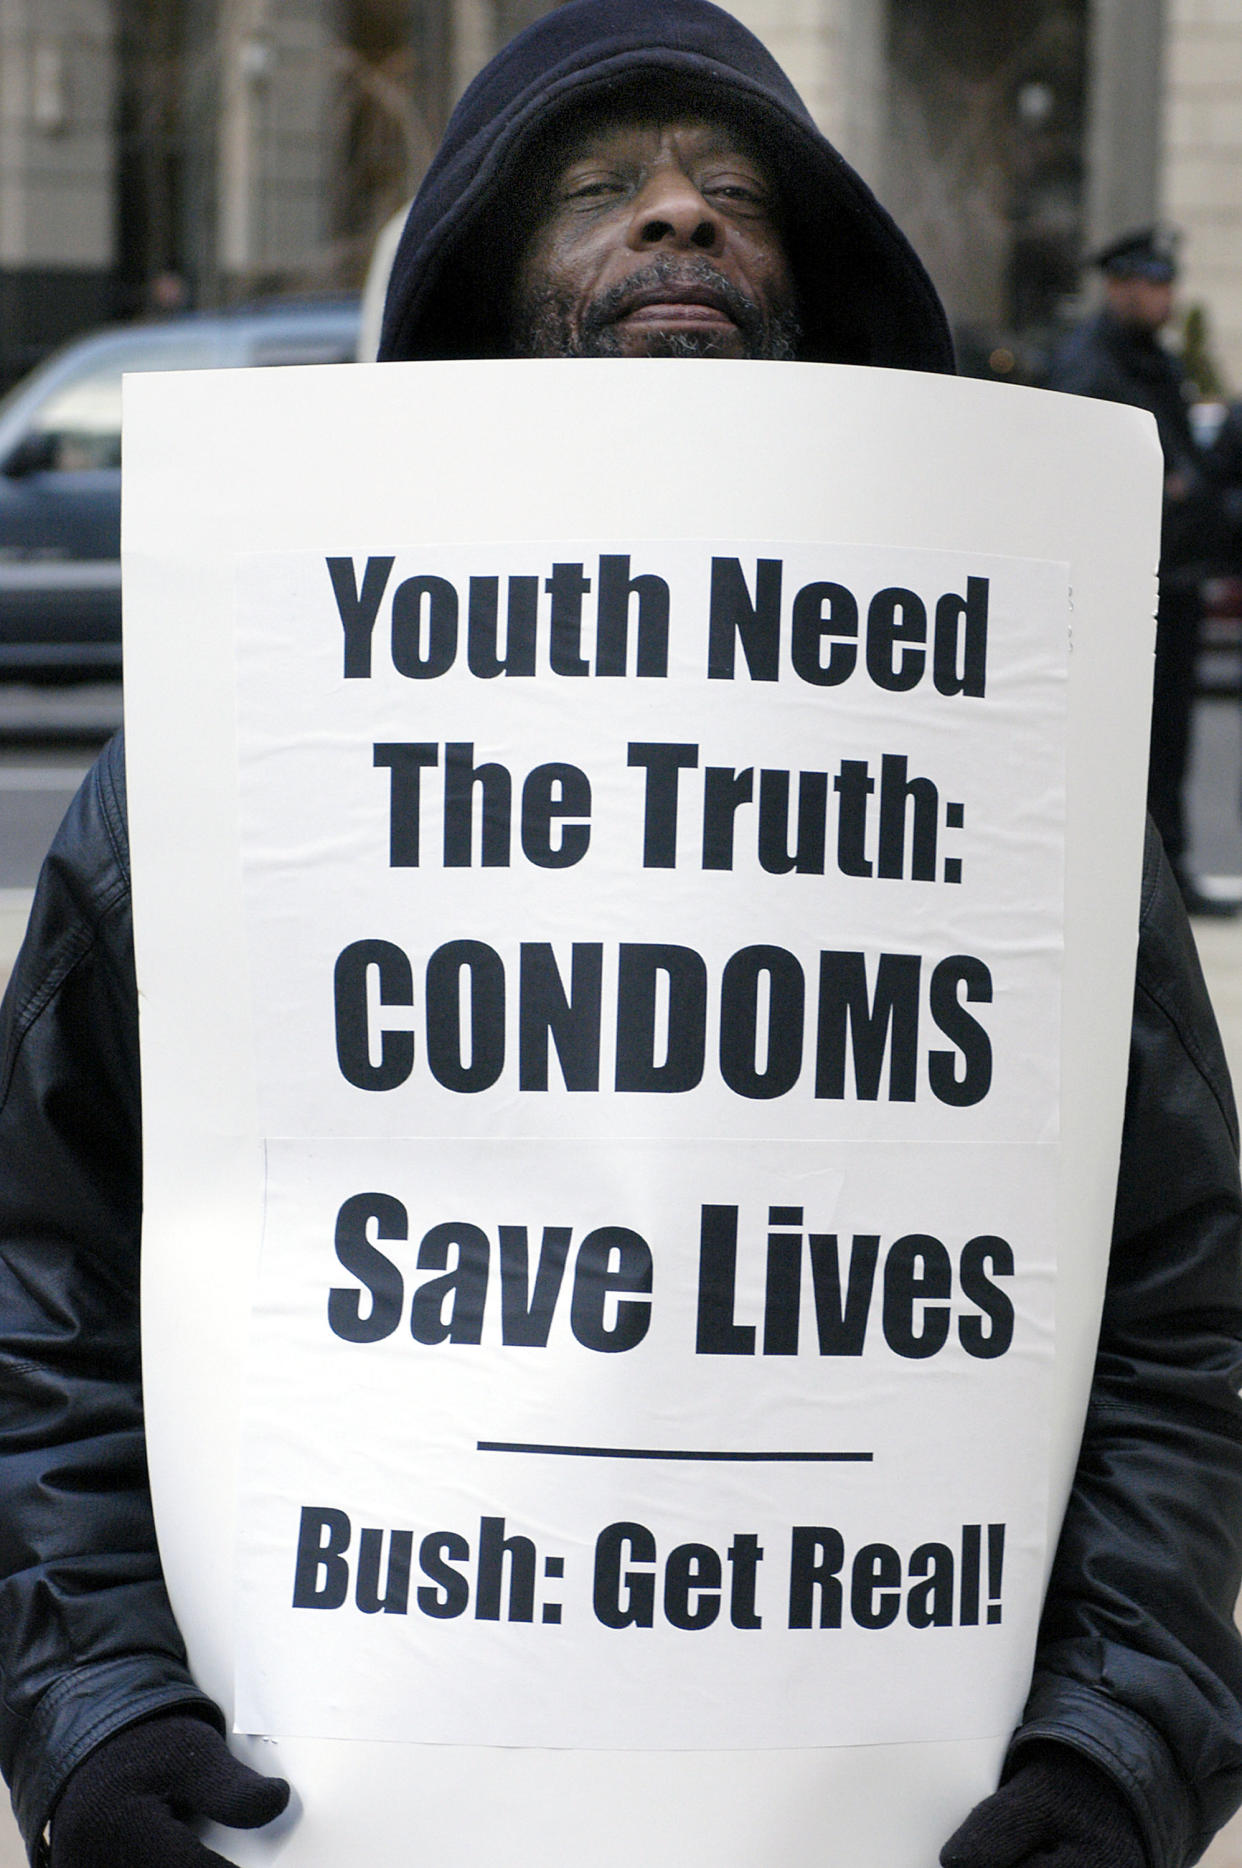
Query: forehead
(642, 134)
(621, 119)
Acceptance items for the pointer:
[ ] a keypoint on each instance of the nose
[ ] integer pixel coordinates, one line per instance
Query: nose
(670, 211)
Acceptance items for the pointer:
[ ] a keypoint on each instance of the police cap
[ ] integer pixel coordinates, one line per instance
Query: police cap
(1148, 253)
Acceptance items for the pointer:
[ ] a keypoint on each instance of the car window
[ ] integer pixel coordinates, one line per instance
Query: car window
(314, 346)
(77, 428)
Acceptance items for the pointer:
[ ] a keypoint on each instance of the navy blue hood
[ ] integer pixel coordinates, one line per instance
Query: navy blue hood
(864, 296)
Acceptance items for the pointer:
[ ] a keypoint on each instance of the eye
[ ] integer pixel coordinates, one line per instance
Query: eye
(588, 188)
(743, 192)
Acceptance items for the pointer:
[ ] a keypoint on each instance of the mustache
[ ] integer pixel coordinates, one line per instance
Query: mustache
(668, 274)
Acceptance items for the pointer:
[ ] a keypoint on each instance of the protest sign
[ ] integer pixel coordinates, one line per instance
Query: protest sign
(655, 987)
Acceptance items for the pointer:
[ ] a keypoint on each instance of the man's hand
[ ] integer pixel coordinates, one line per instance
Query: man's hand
(1058, 1811)
(129, 1804)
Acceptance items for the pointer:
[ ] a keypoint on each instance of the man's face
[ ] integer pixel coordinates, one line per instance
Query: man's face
(1143, 304)
(660, 237)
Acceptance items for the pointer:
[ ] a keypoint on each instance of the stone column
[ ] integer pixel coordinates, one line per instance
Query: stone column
(1126, 75)
(274, 62)
(834, 52)
(1202, 150)
(474, 41)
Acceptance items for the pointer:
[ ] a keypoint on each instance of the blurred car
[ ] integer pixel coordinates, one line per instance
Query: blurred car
(60, 469)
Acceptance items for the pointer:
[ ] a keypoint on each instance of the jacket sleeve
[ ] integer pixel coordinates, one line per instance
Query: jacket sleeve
(87, 1637)
(1139, 1664)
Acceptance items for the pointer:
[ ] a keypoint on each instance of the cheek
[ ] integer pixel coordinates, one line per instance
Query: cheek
(530, 273)
(770, 271)
(556, 262)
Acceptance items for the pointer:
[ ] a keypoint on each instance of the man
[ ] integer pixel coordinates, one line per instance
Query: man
(630, 177)
(1117, 356)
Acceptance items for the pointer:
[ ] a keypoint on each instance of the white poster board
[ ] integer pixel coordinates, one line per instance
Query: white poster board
(645, 925)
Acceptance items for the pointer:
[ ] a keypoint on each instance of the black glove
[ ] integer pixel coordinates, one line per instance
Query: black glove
(127, 1805)
(1056, 1811)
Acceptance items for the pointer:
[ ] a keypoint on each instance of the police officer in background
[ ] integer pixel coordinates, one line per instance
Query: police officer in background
(1117, 355)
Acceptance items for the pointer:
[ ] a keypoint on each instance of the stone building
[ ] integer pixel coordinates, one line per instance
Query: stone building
(1200, 164)
(157, 150)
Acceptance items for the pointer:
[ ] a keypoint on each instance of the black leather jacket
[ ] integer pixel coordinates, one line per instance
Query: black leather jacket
(1139, 1665)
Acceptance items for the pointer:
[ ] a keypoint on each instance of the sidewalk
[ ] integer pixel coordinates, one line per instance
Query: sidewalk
(1220, 948)
(14, 909)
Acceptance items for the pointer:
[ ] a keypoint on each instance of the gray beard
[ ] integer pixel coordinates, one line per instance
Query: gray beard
(542, 325)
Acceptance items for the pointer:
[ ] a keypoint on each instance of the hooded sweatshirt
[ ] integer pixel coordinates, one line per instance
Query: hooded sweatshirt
(864, 296)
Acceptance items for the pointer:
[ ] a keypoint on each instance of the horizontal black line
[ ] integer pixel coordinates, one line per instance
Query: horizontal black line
(659, 1452)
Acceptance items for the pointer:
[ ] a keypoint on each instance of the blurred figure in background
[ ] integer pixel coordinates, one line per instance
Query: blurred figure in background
(1117, 356)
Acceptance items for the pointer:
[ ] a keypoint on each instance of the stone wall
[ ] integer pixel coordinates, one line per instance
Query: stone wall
(55, 133)
(834, 52)
(275, 67)
(1201, 181)
(56, 173)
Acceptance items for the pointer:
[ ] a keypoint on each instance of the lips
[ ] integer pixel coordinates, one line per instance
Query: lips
(672, 302)
(669, 294)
